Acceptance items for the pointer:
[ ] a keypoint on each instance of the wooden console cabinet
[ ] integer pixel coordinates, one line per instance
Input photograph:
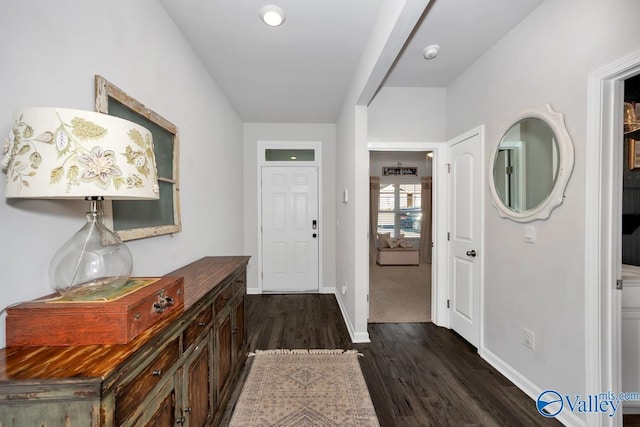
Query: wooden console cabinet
(180, 372)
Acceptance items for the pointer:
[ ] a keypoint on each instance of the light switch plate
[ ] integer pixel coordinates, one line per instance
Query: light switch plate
(530, 234)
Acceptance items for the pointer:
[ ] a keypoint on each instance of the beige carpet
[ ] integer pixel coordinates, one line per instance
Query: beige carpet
(399, 293)
(304, 388)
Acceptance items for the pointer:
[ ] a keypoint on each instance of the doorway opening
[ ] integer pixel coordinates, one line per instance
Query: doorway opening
(603, 225)
(401, 221)
(630, 248)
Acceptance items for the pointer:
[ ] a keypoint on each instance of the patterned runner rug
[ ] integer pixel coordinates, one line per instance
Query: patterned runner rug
(304, 388)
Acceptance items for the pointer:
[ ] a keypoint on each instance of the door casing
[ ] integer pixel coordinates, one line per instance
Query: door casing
(603, 207)
(439, 276)
(262, 146)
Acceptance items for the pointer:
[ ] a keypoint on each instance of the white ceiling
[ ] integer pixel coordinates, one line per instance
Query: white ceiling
(300, 71)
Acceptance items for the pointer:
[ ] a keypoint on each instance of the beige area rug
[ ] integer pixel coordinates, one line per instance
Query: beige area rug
(304, 388)
(399, 293)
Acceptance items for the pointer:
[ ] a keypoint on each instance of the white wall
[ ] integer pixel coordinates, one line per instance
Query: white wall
(379, 159)
(51, 51)
(408, 114)
(546, 59)
(395, 22)
(325, 133)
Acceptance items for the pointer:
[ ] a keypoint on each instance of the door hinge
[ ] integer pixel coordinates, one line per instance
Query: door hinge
(367, 297)
(448, 303)
(448, 167)
(448, 235)
(619, 284)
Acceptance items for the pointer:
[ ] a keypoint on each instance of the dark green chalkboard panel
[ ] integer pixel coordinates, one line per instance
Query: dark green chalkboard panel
(128, 214)
(162, 139)
(131, 214)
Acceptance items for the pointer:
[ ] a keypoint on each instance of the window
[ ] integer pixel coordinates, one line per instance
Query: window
(400, 209)
(135, 219)
(289, 155)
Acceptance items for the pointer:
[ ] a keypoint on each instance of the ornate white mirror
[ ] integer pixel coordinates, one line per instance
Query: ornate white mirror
(532, 165)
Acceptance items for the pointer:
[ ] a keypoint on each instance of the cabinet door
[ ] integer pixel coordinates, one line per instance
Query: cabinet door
(161, 411)
(197, 407)
(223, 352)
(129, 396)
(239, 330)
(165, 414)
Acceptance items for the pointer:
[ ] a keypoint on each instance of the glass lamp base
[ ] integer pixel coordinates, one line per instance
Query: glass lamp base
(92, 261)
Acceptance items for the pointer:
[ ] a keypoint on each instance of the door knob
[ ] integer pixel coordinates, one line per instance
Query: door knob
(472, 253)
(314, 235)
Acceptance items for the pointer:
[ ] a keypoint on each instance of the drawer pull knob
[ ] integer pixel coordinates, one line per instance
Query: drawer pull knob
(157, 373)
(202, 324)
(187, 410)
(180, 420)
(235, 330)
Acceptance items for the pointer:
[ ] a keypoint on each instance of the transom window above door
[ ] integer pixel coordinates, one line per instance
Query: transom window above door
(400, 209)
(289, 155)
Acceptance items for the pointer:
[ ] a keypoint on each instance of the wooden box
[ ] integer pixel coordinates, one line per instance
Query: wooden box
(47, 322)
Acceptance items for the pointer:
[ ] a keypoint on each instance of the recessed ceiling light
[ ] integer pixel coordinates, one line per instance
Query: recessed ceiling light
(431, 51)
(272, 15)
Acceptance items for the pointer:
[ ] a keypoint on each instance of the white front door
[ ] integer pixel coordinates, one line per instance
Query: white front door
(290, 229)
(465, 256)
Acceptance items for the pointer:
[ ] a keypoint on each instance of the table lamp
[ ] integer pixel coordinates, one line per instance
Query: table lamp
(55, 153)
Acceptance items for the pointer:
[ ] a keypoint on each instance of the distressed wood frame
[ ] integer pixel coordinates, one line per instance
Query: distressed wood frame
(104, 90)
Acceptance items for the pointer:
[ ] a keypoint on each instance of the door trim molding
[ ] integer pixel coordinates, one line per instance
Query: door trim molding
(603, 228)
(263, 145)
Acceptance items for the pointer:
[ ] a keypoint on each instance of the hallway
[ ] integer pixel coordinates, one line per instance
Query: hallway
(418, 374)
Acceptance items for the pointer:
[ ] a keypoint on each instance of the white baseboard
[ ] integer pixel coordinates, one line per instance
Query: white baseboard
(323, 290)
(630, 408)
(567, 418)
(356, 337)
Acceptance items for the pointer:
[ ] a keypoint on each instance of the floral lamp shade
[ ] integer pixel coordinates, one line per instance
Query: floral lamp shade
(55, 153)
(64, 153)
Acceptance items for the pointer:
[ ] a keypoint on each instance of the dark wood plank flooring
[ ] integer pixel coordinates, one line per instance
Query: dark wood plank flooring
(418, 374)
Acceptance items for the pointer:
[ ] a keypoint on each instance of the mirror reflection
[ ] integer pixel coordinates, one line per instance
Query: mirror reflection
(526, 164)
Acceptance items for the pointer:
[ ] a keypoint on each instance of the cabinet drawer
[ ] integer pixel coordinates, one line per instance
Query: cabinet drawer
(223, 297)
(239, 284)
(130, 397)
(197, 326)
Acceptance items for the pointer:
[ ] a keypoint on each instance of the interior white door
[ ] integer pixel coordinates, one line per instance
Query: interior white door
(290, 229)
(465, 239)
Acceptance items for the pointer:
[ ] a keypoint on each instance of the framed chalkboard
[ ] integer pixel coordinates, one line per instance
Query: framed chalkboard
(137, 219)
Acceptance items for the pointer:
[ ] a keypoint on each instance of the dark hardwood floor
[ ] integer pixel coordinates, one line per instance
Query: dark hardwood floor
(418, 374)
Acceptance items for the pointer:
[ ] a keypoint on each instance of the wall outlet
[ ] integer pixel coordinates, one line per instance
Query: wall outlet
(529, 339)
(344, 288)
